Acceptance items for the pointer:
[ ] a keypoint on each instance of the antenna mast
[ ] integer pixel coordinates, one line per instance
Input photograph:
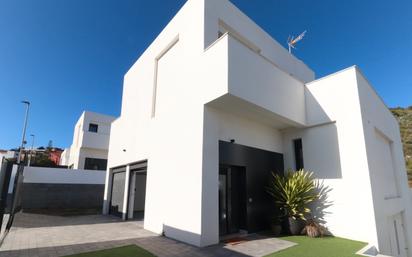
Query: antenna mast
(292, 41)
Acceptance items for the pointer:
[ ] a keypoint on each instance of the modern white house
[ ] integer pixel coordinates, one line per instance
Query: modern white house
(214, 105)
(90, 143)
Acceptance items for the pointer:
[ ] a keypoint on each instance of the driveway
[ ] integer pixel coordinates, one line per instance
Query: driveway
(38, 235)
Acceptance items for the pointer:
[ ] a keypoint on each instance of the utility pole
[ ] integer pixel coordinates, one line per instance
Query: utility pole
(23, 139)
(31, 151)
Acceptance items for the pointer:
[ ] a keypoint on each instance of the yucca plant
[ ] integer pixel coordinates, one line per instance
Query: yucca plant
(293, 192)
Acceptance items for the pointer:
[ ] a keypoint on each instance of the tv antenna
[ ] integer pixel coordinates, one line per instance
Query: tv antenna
(293, 40)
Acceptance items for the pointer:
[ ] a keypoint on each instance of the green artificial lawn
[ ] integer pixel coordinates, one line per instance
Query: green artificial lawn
(124, 251)
(319, 247)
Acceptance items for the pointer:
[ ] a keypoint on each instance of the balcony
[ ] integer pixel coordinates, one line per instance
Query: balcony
(244, 81)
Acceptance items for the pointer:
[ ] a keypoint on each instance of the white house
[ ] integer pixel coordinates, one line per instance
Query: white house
(7, 154)
(90, 142)
(215, 104)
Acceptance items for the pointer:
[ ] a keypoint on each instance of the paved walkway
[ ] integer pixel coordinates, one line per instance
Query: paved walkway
(37, 235)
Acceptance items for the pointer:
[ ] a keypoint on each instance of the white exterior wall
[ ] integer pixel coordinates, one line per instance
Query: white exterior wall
(65, 157)
(391, 193)
(352, 143)
(88, 144)
(217, 10)
(8, 154)
(180, 97)
(62, 176)
(189, 90)
(336, 153)
(144, 137)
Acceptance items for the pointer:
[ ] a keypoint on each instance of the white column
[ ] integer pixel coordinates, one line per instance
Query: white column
(126, 192)
(107, 192)
(132, 195)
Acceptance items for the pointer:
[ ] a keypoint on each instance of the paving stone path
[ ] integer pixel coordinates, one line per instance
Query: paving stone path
(38, 235)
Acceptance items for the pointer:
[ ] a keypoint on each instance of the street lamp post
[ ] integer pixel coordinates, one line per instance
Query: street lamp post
(31, 150)
(23, 139)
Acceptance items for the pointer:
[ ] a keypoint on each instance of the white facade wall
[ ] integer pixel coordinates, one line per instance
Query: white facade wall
(334, 149)
(65, 157)
(149, 140)
(190, 89)
(88, 144)
(44, 175)
(218, 12)
(352, 143)
(390, 189)
(7, 154)
(136, 135)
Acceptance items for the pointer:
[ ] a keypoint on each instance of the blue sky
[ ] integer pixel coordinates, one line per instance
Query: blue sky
(69, 56)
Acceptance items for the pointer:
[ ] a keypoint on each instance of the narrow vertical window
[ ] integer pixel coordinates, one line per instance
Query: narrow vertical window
(297, 144)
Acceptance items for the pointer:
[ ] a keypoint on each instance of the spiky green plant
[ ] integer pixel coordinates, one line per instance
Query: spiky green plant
(294, 192)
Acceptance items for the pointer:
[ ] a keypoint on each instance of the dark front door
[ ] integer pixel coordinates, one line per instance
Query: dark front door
(232, 199)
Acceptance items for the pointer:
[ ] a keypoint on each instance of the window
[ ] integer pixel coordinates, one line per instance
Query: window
(95, 164)
(297, 144)
(93, 127)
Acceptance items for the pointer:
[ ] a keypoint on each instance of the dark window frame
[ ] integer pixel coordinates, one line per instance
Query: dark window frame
(95, 164)
(298, 149)
(93, 127)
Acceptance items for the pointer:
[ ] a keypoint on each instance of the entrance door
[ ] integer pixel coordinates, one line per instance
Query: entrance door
(232, 199)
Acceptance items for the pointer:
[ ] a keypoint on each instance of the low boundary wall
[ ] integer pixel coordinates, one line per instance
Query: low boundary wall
(51, 188)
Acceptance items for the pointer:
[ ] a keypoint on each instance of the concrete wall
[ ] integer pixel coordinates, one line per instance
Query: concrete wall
(62, 176)
(334, 148)
(49, 188)
(262, 83)
(358, 154)
(391, 197)
(61, 196)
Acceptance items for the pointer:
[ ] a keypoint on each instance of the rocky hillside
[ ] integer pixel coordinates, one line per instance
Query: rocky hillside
(404, 116)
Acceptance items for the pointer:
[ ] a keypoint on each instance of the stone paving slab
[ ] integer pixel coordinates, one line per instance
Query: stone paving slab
(35, 235)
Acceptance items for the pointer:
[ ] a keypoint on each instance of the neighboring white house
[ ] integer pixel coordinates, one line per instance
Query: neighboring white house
(7, 154)
(215, 104)
(90, 143)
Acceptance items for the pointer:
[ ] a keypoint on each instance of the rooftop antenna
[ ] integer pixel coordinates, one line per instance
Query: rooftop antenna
(292, 41)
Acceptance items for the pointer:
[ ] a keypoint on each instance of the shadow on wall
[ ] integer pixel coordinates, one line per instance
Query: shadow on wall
(321, 151)
(321, 144)
(181, 235)
(319, 207)
(315, 114)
